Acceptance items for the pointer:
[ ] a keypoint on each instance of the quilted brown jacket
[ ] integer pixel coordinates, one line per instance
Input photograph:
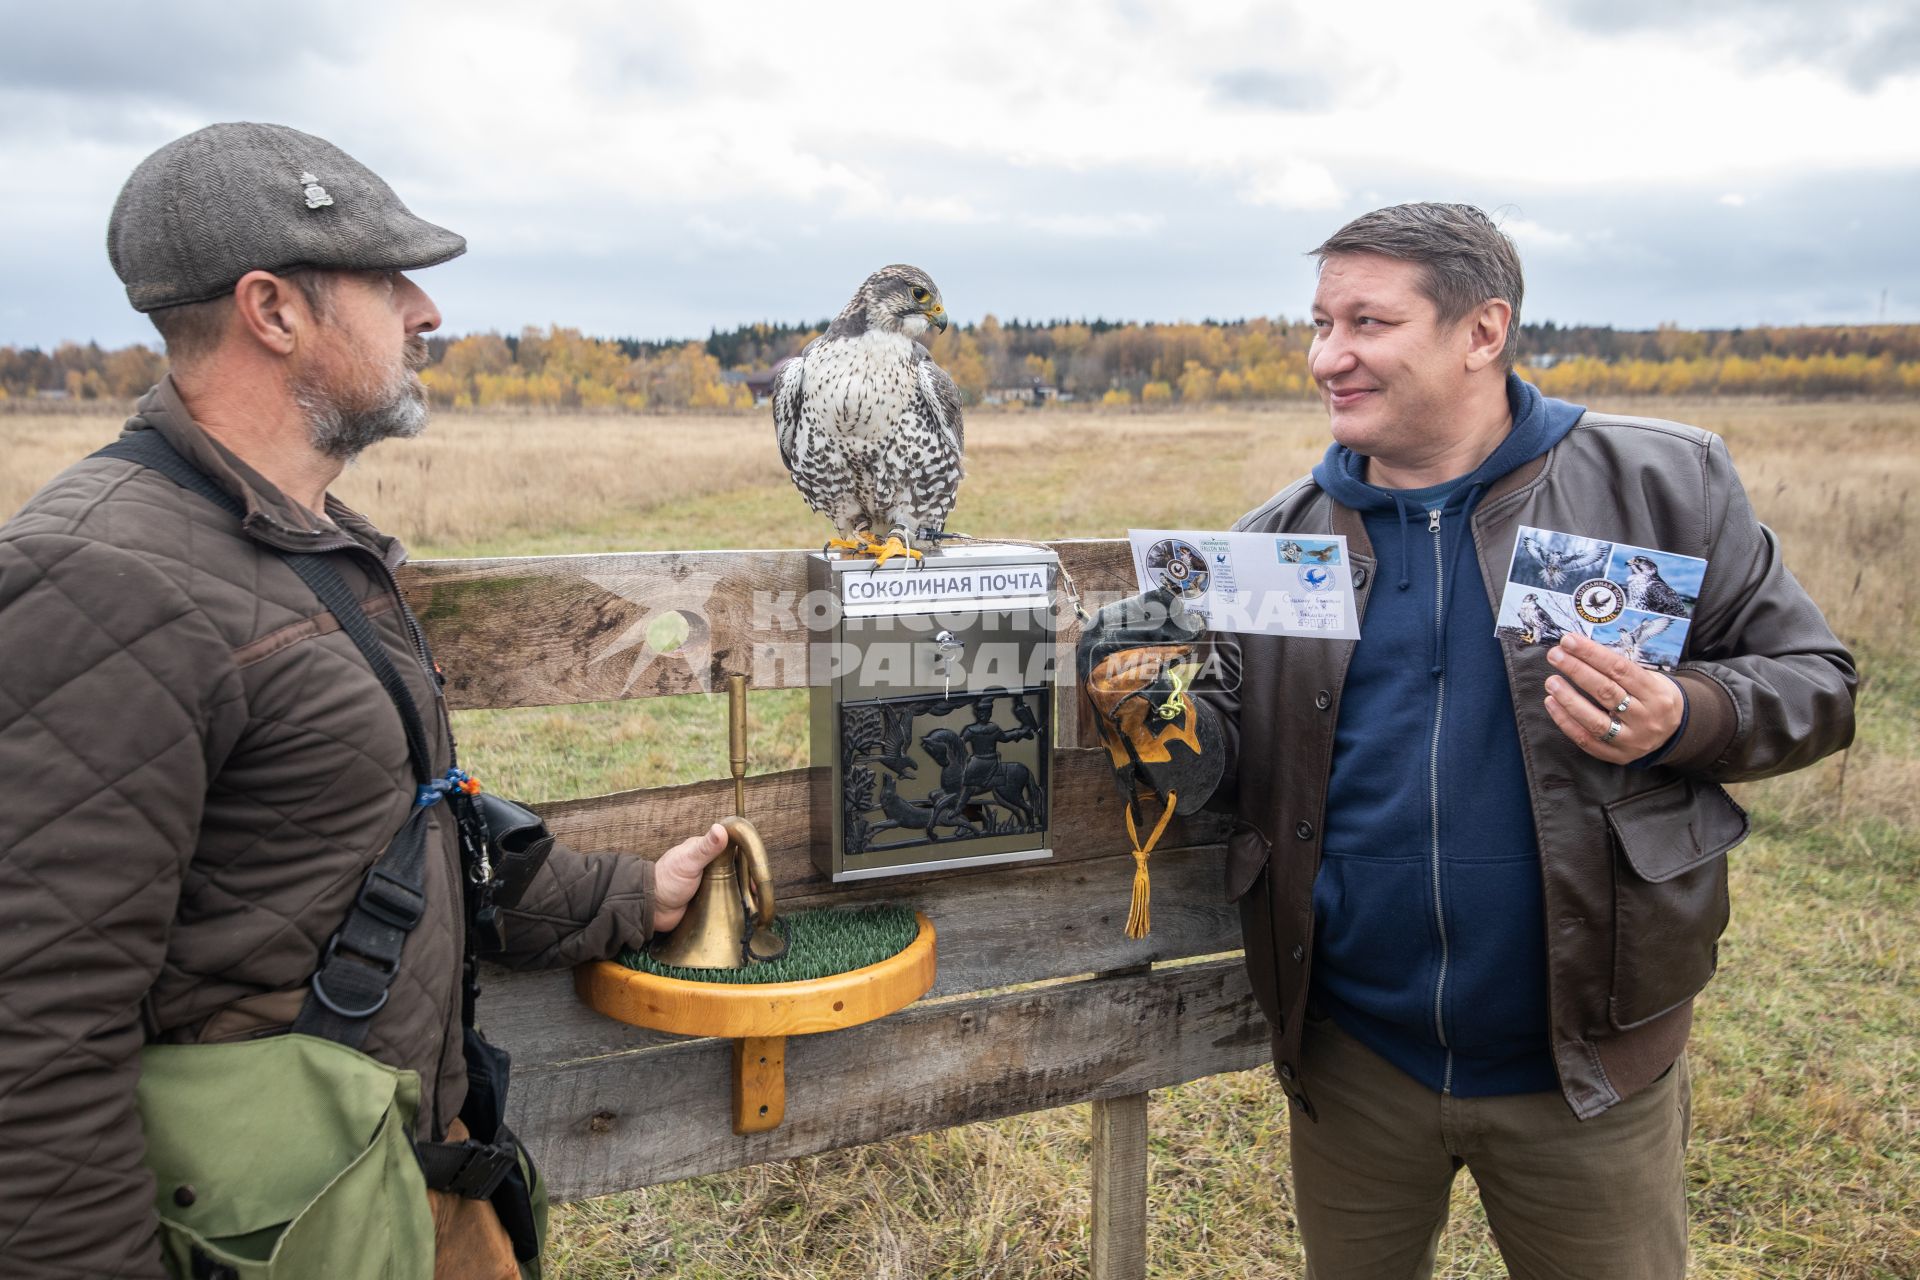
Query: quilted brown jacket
(199, 769)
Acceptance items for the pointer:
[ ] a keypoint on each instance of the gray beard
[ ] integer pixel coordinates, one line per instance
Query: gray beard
(344, 432)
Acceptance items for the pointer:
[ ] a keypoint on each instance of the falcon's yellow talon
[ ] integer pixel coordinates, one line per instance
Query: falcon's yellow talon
(892, 548)
(862, 543)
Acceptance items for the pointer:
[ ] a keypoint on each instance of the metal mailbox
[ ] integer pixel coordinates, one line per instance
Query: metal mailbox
(932, 710)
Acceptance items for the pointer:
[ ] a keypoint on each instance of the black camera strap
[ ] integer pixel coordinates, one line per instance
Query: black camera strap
(362, 959)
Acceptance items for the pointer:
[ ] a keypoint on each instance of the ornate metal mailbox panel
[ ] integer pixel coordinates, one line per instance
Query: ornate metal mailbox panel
(932, 711)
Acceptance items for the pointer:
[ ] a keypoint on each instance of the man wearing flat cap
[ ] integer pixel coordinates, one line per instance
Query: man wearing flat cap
(235, 810)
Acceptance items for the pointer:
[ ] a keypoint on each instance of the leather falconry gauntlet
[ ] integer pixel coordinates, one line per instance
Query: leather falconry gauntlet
(1136, 660)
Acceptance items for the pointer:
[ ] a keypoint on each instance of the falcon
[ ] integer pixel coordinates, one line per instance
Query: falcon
(1633, 641)
(1581, 556)
(869, 425)
(1651, 593)
(1545, 621)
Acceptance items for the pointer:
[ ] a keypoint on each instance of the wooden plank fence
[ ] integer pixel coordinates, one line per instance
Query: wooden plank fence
(1041, 999)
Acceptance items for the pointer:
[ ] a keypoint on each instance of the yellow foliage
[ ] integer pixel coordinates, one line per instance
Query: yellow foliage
(477, 353)
(131, 370)
(962, 356)
(561, 368)
(1258, 360)
(1197, 383)
(1069, 338)
(1116, 398)
(442, 386)
(1815, 375)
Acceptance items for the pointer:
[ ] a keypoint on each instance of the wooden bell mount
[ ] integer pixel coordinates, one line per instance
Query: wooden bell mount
(729, 925)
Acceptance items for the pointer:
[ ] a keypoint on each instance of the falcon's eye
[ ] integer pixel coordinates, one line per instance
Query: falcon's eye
(919, 294)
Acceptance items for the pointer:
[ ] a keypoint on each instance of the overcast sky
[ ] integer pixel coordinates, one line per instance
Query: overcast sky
(659, 169)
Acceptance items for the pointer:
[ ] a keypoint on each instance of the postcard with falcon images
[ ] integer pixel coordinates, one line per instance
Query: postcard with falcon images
(1253, 583)
(1638, 600)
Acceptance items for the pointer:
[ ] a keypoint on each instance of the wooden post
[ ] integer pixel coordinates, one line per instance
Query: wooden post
(1119, 1244)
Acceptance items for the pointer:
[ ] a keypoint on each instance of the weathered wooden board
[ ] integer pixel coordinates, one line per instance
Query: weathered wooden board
(994, 928)
(1084, 816)
(547, 630)
(652, 1116)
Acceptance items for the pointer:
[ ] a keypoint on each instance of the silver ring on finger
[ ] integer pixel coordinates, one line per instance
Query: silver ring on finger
(1613, 730)
(1626, 700)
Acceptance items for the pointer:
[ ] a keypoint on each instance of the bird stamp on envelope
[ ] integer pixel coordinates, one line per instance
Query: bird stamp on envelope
(1253, 583)
(1637, 600)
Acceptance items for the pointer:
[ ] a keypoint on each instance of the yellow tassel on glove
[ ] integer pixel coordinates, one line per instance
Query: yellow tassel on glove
(1140, 915)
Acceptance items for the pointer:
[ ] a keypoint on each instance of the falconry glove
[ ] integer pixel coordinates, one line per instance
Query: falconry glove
(1136, 663)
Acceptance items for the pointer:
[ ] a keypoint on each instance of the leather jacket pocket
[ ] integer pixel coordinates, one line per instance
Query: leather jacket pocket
(1669, 894)
(1247, 883)
(1247, 853)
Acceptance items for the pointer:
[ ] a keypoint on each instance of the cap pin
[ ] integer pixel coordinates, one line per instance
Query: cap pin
(316, 194)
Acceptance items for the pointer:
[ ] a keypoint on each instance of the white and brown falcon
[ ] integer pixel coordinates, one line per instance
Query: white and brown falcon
(1648, 591)
(869, 425)
(1543, 622)
(1635, 641)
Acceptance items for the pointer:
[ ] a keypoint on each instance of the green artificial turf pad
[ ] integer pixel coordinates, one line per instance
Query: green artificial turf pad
(821, 943)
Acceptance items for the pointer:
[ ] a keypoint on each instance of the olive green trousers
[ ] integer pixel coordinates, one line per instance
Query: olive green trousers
(1569, 1199)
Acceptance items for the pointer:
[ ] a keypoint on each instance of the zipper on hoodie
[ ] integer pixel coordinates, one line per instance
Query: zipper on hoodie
(1433, 795)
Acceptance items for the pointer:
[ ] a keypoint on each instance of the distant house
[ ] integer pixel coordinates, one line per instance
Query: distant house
(1034, 392)
(758, 381)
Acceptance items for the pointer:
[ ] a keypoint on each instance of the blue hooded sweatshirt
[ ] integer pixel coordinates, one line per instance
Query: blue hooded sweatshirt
(1429, 933)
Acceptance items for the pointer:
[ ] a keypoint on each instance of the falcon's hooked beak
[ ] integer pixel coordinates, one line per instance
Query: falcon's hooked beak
(937, 316)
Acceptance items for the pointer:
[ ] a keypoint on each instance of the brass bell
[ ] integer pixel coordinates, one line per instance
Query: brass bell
(729, 923)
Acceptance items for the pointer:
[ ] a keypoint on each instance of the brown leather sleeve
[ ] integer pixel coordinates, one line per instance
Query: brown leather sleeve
(1710, 723)
(1219, 698)
(1772, 686)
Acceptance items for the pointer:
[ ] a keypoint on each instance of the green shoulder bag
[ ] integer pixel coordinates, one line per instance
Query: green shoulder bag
(288, 1157)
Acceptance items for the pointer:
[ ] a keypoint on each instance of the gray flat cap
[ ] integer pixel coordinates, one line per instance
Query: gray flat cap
(205, 209)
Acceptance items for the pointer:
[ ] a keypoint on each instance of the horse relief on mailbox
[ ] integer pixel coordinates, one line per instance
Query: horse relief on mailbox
(922, 770)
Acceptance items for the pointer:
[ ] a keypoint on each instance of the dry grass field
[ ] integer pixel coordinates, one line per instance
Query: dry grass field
(1805, 1160)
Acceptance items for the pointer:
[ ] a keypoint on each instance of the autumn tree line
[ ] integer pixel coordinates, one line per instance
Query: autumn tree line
(1113, 365)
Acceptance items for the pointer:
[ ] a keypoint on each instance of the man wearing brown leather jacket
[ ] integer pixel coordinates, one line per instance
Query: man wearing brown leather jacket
(200, 763)
(1482, 872)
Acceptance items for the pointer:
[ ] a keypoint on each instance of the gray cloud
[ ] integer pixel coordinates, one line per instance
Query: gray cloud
(1800, 250)
(1866, 42)
(185, 51)
(1804, 250)
(593, 218)
(1273, 90)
